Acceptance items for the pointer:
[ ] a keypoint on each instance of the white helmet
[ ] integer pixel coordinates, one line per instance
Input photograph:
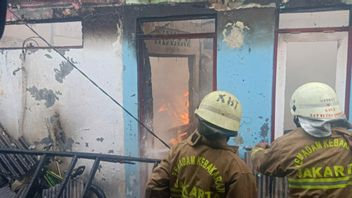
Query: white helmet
(222, 109)
(316, 101)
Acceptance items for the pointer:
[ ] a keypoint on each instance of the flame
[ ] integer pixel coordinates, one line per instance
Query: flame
(184, 118)
(179, 138)
(178, 111)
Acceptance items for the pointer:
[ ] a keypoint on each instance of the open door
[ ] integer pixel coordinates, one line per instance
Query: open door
(310, 50)
(176, 70)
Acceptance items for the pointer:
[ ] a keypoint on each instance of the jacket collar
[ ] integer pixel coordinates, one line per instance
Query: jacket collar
(196, 138)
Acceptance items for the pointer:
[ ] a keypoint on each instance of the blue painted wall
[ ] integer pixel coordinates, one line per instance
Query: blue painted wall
(130, 102)
(130, 79)
(247, 71)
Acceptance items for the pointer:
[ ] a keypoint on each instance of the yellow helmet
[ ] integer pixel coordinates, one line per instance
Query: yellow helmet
(222, 109)
(315, 100)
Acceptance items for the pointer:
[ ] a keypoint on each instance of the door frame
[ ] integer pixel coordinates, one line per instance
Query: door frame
(275, 132)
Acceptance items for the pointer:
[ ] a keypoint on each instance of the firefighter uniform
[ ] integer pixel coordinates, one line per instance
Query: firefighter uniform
(203, 166)
(197, 168)
(316, 157)
(315, 167)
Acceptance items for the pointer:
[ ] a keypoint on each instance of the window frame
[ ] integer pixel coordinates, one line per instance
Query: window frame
(278, 31)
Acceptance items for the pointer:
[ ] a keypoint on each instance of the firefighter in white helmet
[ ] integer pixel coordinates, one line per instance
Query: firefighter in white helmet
(316, 156)
(203, 165)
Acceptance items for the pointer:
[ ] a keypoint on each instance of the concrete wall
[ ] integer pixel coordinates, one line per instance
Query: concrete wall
(30, 96)
(130, 79)
(245, 68)
(39, 84)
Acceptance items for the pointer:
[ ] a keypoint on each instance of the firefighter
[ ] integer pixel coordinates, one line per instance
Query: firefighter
(316, 156)
(203, 165)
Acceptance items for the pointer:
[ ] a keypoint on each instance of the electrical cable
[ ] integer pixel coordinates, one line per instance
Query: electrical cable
(90, 80)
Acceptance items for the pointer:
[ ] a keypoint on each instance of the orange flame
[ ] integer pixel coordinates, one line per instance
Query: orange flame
(180, 111)
(185, 115)
(184, 118)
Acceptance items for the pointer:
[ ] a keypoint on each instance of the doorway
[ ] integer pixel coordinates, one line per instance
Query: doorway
(311, 47)
(176, 69)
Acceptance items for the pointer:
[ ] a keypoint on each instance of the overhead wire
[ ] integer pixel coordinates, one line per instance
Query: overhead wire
(91, 81)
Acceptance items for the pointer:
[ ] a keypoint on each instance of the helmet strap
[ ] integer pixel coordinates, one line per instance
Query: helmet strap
(211, 131)
(296, 121)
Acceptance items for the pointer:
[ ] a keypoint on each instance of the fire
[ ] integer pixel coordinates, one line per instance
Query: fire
(177, 111)
(179, 138)
(184, 118)
(180, 113)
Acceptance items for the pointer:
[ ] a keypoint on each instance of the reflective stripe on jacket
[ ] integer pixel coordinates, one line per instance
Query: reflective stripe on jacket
(315, 167)
(196, 168)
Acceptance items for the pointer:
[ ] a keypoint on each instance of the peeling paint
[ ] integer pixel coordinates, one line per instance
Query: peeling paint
(256, 5)
(62, 51)
(23, 56)
(111, 151)
(117, 44)
(47, 95)
(99, 168)
(68, 144)
(101, 139)
(46, 141)
(44, 144)
(264, 129)
(65, 69)
(132, 181)
(17, 70)
(234, 34)
(87, 144)
(48, 56)
(232, 5)
(57, 134)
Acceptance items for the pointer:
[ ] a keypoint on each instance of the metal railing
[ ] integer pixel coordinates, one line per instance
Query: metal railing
(45, 155)
(268, 186)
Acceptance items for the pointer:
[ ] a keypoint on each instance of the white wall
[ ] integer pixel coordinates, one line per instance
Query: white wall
(307, 62)
(91, 120)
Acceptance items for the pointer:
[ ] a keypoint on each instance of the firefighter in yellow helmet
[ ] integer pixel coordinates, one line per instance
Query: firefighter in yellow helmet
(316, 156)
(203, 165)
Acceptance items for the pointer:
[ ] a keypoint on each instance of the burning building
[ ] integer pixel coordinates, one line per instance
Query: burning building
(157, 59)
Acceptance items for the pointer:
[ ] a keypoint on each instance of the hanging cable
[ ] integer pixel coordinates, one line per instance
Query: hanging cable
(90, 80)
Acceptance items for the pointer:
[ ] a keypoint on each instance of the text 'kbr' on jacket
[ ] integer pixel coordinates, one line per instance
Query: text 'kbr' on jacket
(315, 167)
(197, 168)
